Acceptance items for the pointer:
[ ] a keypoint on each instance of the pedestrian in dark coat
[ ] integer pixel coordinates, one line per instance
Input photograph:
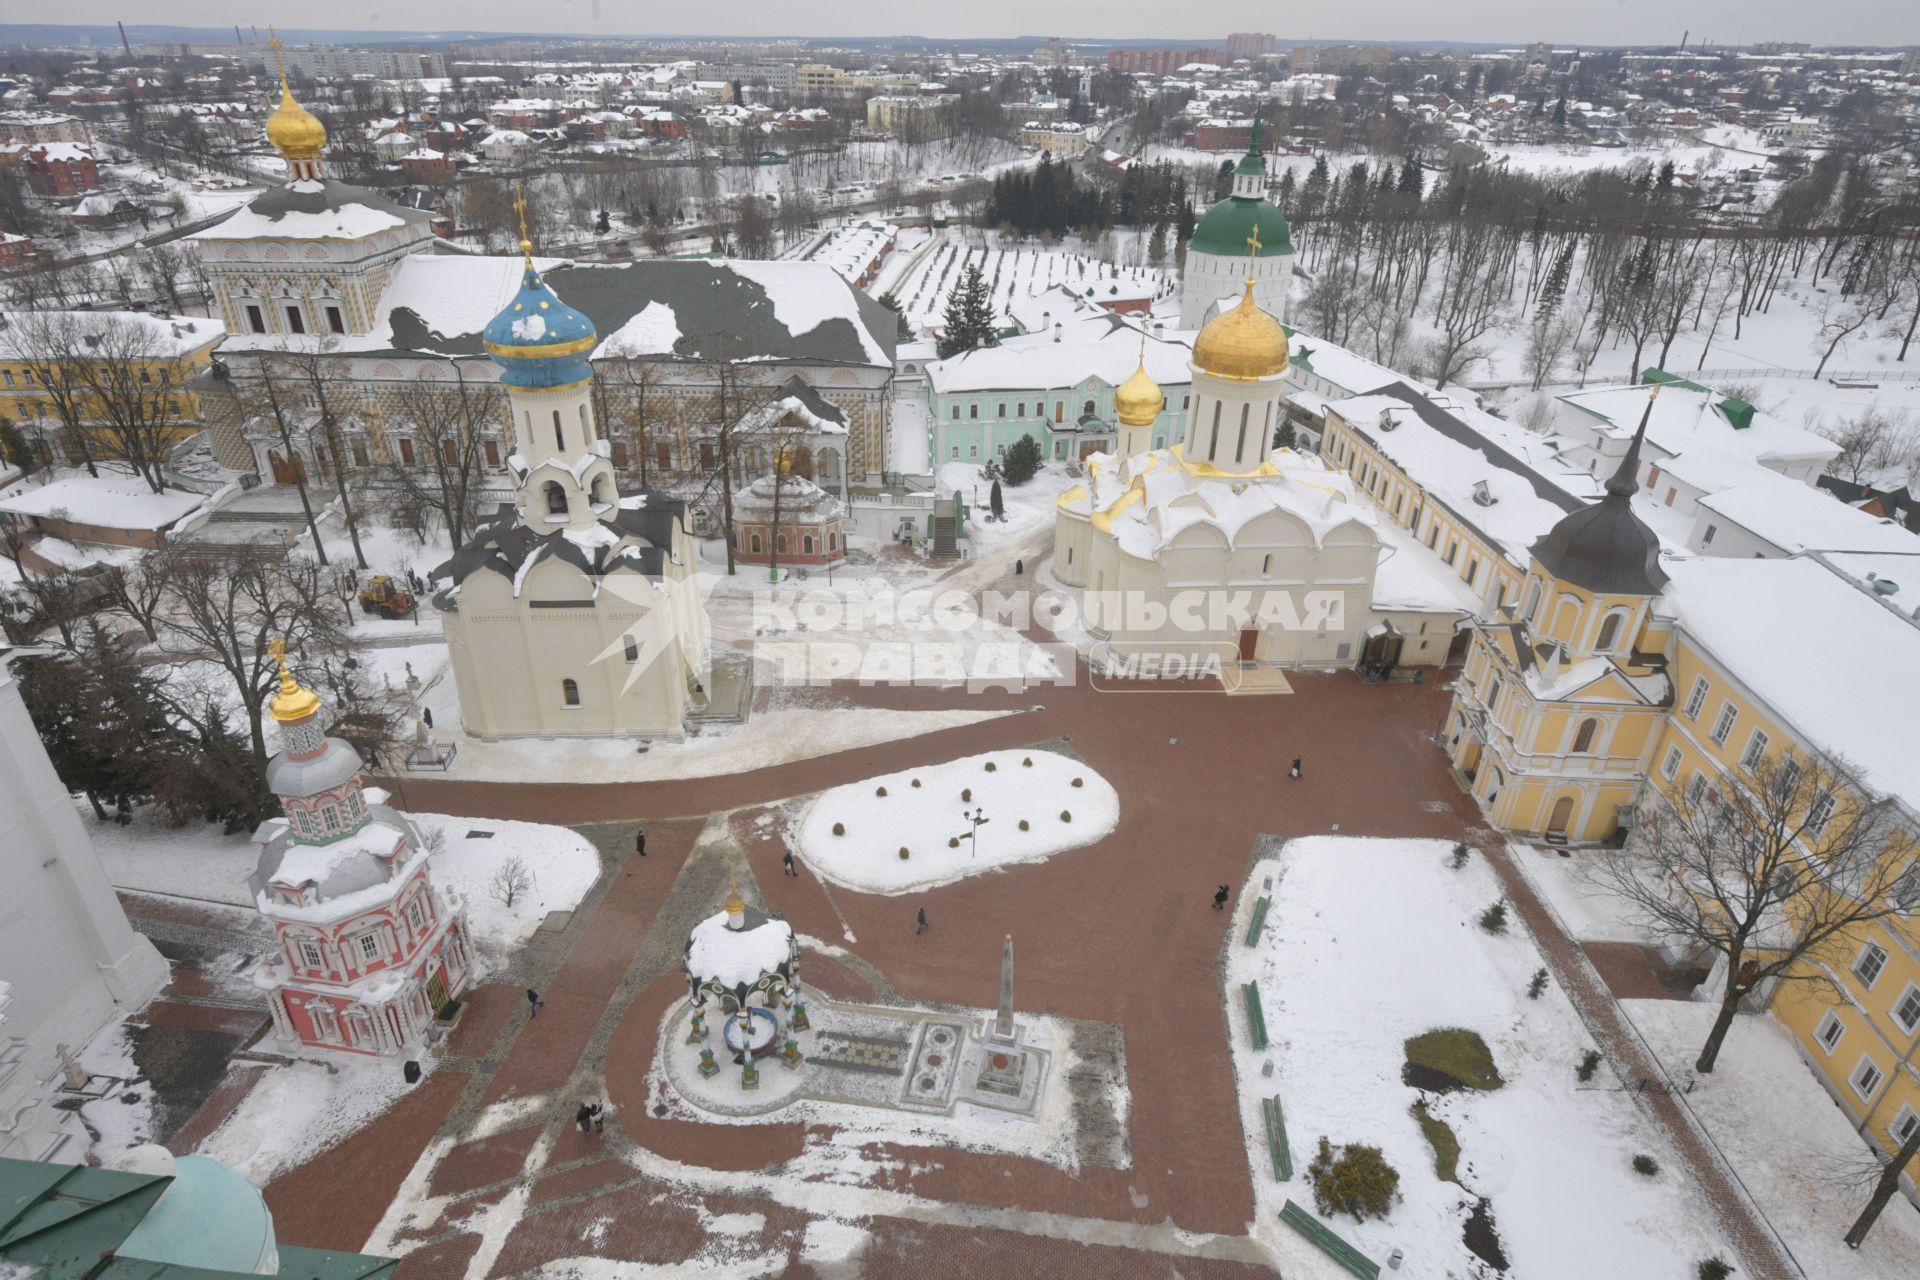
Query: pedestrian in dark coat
(584, 1118)
(921, 927)
(786, 863)
(1220, 898)
(533, 1003)
(1294, 770)
(599, 1118)
(426, 715)
(640, 842)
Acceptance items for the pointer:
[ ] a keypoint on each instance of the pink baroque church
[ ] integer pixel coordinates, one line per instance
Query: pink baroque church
(369, 948)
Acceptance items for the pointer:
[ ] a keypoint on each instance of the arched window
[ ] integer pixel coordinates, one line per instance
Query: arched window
(1609, 632)
(585, 432)
(633, 648)
(780, 543)
(1583, 740)
(833, 541)
(1213, 440)
(570, 692)
(1088, 409)
(556, 499)
(559, 436)
(806, 545)
(1533, 601)
(1240, 446)
(756, 544)
(599, 490)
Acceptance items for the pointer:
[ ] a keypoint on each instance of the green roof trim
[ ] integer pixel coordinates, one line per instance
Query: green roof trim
(1652, 377)
(1227, 225)
(1738, 412)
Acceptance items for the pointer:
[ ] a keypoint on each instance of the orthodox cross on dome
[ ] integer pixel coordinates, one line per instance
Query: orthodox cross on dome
(1253, 253)
(520, 208)
(279, 62)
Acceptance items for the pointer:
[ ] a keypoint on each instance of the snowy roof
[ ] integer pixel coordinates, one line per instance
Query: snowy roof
(801, 500)
(114, 501)
(1451, 450)
(1412, 577)
(1685, 414)
(1786, 629)
(802, 312)
(739, 957)
(1173, 498)
(794, 397)
(1102, 346)
(1798, 517)
(313, 210)
(637, 537)
(163, 337)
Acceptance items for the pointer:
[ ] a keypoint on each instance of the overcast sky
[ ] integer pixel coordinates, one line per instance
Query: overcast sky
(1601, 21)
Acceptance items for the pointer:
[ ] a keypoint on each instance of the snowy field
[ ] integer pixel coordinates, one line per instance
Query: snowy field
(1014, 273)
(1037, 803)
(1587, 908)
(197, 861)
(1371, 942)
(1793, 1148)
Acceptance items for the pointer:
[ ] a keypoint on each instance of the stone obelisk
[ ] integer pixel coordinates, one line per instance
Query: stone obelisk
(1003, 1024)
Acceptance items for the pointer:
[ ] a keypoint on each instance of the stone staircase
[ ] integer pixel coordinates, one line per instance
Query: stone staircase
(946, 530)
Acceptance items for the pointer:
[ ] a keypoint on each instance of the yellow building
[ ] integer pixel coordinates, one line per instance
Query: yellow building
(122, 376)
(1616, 669)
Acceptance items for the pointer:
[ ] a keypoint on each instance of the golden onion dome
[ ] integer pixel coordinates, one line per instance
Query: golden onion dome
(1245, 343)
(293, 701)
(293, 130)
(1138, 400)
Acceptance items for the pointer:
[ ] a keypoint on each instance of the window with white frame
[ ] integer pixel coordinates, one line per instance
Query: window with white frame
(369, 946)
(311, 954)
(1787, 776)
(1906, 890)
(1866, 1078)
(1829, 1032)
(1820, 812)
(1756, 751)
(1697, 697)
(1904, 1124)
(417, 916)
(1723, 724)
(1906, 1010)
(1671, 765)
(1696, 787)
(326, 1024)
(1867, 967)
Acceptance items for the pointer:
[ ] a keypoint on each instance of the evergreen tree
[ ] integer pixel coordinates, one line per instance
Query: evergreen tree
(1284, 196)
(1223, 181)
(1022, 462)
(603, 223)
(901, 328)
(1283, 434)
(995, 502)
(1157, 244)
(967, 323)
(1313, 194)
(1560, 114)
(1665, 182)
(14, 449)
(1413, 182)
(1183, 223)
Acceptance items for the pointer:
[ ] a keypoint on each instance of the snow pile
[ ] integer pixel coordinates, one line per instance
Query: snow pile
(1371, 942)
(1796, 1152)
(652, 332)
(928, 817)
(295, 1112)
(736, 957)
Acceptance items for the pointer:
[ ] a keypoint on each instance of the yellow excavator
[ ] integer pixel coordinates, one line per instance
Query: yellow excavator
(386, 597)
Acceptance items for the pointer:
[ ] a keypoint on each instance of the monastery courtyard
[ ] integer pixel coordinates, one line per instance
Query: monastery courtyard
(1119, 935)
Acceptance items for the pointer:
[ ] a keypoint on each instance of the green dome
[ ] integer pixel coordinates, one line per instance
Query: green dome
(209, 1218)
(1251, 163)
(1224, 231)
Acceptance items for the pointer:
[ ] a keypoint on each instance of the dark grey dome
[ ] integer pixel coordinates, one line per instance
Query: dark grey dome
(1605, 548)
(333, 766)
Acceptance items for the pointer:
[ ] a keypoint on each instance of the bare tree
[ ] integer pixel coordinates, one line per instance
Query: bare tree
(226, 610)
(140, 590)
(1839, 319)
(314, 369)
(446, 420)
(1772, 870)
(270, 405)
(1869, 444)
(48, 344)
(511, 882)
(1883, 1189)
(130, 370)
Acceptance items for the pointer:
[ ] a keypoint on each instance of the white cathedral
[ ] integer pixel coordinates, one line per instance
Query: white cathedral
(1223, 548)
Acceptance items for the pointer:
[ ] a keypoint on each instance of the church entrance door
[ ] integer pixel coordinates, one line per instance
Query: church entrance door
(437, 990)
(285, 472)
(1249, 641)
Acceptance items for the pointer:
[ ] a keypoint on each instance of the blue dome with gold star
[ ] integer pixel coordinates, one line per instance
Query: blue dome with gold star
(539, 340)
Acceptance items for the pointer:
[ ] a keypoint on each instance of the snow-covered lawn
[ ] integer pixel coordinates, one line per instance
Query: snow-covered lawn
(924, 811)
(1371, 942)
(197, 861)
(1793, 1148)
(1587, 908)
(295, 1112)
(1014, 273)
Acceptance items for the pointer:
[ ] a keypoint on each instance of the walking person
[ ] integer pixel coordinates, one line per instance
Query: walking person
(921, 926)
(1294, 770)
(584, 1118)
(599, 1119)
(786, 863)
(426, 714)
(1220, 898)
(533, 1003)
(640, 841)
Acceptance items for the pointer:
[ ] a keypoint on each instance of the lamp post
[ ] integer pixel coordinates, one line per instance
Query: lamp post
(978, 818)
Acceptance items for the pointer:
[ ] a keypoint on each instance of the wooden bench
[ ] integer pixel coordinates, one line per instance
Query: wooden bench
(1256, 1021)
(1277, 1140)
(1321, 1237)
(1259, 920)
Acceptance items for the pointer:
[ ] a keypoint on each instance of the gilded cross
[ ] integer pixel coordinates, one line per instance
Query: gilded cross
(520, 208)
(1253, 241)
(274, 42)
